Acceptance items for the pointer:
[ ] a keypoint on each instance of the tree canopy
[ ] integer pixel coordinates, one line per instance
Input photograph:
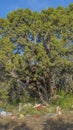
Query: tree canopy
(36, 53)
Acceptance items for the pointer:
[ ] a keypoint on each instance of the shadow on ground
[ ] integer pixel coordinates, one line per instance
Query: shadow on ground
(58, 124)
(38, 124)
(12, 125)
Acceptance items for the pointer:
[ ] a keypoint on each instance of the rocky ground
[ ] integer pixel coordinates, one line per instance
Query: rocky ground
(45, 122)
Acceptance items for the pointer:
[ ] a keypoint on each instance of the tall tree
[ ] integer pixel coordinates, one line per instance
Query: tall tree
(36, 53)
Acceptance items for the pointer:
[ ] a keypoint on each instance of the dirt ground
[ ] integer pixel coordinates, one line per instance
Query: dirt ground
(45, 122)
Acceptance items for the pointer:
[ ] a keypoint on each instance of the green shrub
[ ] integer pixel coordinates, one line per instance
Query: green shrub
(66, 100)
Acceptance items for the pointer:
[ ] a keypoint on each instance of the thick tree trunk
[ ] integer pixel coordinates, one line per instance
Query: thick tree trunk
(42, 91)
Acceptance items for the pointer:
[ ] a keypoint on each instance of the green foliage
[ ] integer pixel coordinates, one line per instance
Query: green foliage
(36, 54)
(65, 101)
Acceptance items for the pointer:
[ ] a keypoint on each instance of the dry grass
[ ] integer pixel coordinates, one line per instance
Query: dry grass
(62, 122)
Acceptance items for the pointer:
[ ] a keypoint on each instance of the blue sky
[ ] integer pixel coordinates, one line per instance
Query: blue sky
(7, 6)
